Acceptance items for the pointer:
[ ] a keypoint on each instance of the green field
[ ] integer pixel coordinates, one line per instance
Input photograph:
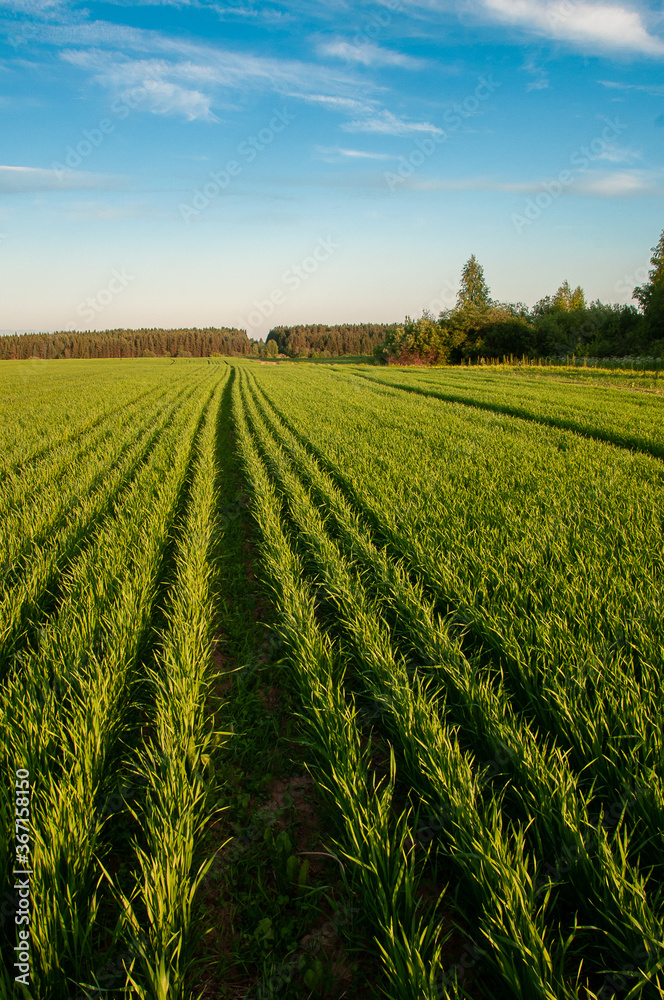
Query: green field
(331, 681)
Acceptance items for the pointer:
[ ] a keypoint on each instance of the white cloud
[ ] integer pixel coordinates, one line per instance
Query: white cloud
(344, 104)
(22, 180)
(190, 76)
(35, 8)
(368, 54)
(541, 84)
(169, 98)
(185, 78)
(333, 154)
(594, 27)
(373, 119)
(157, 95)
(619, 184)
(540, 79)
(620, 154)
(599, 25)
(386, 123)
(652, 89)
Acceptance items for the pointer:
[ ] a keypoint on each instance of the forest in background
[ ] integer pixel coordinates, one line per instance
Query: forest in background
(316, 340)
(154, 343)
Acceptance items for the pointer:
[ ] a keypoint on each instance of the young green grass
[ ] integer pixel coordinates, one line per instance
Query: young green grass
(160, 925)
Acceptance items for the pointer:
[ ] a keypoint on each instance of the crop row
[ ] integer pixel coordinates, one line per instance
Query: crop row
(159, 925)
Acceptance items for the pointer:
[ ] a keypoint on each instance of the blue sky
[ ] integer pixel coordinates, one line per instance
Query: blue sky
(252, 164)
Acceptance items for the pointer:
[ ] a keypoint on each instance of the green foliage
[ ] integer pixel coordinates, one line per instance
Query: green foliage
(473, 298)
(147, 343)
(419, 341)
(651, 295)
(560, 324)
(319, 340)
(567, 300)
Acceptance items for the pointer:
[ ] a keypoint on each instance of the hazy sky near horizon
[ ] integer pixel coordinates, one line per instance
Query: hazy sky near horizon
(190, 163)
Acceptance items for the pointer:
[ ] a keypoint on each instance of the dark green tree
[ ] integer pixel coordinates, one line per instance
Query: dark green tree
(567, 299)
(465, 325)
(473, 296)
(651, 295)
(417, 342)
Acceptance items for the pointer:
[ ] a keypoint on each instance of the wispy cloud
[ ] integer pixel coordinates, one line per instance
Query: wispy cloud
(159, 95)
(386, 123)
(615, 184)
(201, 64)
(92, 210)
(620, 154)
(540, 77)
(371, 118)
(368, 54)
(652, 89)
(335, 154)
(541, 84)
(621, 184)
(347, 105)
(479, 183)
(35, 8)
(25, 180)
(193, 79)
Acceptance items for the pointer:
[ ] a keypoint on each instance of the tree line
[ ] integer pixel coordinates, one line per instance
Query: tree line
(559, 324)
(297, 341)
(147, 343)
(318, 340)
